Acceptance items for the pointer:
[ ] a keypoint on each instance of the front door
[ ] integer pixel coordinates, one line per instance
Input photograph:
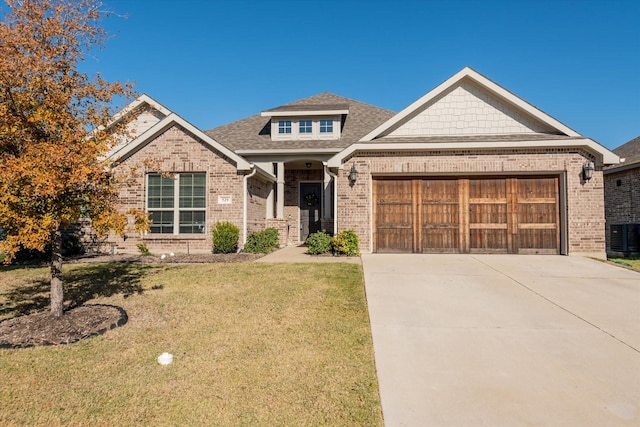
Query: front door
(310, 207)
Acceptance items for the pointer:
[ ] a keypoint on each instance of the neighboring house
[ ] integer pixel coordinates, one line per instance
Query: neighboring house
(467, 168)
(622, 201)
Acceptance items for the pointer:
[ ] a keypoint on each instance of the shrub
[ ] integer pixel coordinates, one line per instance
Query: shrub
(71, 245)
(346, 243)
(263, 241)
(318, 243)
(225, 237)
(144, 250)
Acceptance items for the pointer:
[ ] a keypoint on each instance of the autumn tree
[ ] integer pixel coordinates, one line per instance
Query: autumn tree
(54, 129)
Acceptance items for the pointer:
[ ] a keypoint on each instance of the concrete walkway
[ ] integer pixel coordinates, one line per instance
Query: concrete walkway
(298, 254)
(493, 340)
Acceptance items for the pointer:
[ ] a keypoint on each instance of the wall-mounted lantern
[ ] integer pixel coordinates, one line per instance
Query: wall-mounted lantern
(353, 175)
(587, 171)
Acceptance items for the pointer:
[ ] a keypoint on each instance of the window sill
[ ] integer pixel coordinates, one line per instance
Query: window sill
(158, 236)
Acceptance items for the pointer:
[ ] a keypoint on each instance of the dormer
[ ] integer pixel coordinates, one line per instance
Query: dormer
(303, 122)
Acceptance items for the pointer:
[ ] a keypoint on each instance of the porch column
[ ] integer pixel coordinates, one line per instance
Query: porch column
(328, 196)
(270, 203)
(280, 191)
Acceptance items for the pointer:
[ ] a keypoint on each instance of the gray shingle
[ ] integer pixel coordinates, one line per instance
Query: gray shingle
(254, 132)
(630, 151)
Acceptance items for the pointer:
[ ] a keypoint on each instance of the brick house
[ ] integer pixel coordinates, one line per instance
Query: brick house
(622, 201)
(467, 168)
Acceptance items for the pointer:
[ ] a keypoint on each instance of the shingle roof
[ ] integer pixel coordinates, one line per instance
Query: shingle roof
(254, 132)
(630, 151)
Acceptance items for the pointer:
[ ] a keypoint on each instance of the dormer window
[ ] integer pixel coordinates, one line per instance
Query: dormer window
(305, 126)
(300, 122)
(284, 127)
(326, 126)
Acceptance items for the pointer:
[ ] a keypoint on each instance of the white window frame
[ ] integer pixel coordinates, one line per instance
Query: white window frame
(176, 209)
(296, 122)
(328, 122)
(286, 125)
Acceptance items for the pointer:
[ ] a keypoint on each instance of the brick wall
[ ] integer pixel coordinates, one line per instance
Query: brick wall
(585, 200)
(622, 198)
(177, 150)
(257, 192)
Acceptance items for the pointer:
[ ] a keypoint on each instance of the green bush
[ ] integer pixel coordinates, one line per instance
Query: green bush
(346, 243)
(318, 243)
(262, 242)
(225, 237)
(144, 250)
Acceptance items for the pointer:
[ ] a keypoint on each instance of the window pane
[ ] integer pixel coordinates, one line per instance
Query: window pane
(326, 126)
(305, 126)
(284, 126)
(192, 190)
(159, 192)
(162, 221)
(192, 222)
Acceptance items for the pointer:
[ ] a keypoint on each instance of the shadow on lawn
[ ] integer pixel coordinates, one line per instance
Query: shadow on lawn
(80, 285)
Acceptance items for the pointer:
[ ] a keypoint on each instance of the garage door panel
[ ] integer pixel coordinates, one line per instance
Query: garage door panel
(488, 213)
(489, 240)
(536, 187)
(488, 189)
(393, 240)
(541, 241)
(440, 215)
(393, 215)
(537, 213)
(440, 239)
(440, 190)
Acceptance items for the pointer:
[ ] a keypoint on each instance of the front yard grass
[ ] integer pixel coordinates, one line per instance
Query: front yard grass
(632, 263)
(253, 344)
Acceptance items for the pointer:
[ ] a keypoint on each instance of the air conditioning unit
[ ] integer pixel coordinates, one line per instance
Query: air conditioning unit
(625, 237)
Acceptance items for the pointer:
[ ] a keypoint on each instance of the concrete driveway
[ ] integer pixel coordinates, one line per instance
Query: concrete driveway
(503, 340)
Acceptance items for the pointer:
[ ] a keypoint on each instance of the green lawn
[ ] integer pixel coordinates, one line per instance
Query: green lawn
(253, 344)
(632, 263)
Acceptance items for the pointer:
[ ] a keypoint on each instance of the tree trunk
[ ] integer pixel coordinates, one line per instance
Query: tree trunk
(57, 293)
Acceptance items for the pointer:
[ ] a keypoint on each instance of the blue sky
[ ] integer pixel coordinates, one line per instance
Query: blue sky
(213, 62)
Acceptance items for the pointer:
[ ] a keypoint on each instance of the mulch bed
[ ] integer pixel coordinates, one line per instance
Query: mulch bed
(90, 320)
(45, 329)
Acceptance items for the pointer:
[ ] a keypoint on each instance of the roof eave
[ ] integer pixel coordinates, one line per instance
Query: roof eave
(603, 155)
(280, 151)
(303, 113)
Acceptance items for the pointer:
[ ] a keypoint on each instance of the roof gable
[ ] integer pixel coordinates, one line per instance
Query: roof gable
(139, 116)
(124, 151)
(469, 104)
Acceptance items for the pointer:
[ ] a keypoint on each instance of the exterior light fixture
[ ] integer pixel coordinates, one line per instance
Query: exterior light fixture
(308, 165)
(353, 175)
(587, 171)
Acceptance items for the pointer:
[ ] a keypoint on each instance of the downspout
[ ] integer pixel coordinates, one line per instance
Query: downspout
(335, 197)
(245, 191)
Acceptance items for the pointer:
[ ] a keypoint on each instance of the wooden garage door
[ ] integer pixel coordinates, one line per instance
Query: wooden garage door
(467, 215)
